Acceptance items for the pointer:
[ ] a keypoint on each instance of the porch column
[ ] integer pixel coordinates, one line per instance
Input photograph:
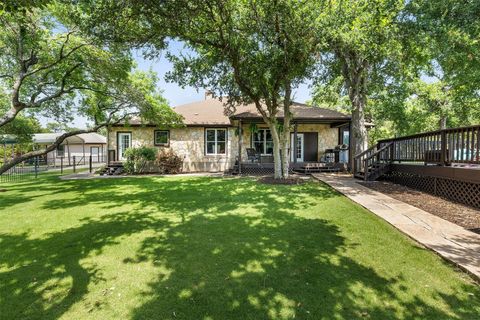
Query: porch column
(351, 155)
(295, 142)
(240, 134)
(83, 147)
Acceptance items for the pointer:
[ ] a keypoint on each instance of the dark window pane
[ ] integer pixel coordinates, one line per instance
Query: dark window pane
(221, 135)
(210, 135)
(258, 146)
(269, 148)
(268, 135)
(161, 137)
(221, 148)
(258, 136)
(210, 147)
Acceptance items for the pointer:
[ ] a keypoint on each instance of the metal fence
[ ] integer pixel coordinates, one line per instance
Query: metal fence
(31, 168)
(25, 170)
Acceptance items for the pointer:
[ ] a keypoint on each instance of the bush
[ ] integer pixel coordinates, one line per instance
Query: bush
(137, 159)
(169, 162)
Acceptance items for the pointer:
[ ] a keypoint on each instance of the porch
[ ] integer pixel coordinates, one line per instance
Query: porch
(261, 168)
(315, 146)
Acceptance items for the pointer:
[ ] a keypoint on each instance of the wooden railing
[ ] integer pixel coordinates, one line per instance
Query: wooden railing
(441, 147)
(372, 163)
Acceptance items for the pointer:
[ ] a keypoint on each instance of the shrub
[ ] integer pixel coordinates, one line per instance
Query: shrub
(169, 162)
(137, 159)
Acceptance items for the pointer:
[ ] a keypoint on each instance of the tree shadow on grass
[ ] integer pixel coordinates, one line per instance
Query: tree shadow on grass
(272, 267)
(234, 249)
(192, 196)
(36, 273)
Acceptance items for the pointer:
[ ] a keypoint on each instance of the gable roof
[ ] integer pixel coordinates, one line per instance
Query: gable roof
(300, 111)
(206, 112)
(48, 138)
(212, 112)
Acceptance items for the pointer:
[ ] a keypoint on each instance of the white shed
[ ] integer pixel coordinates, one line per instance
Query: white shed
(80, 146)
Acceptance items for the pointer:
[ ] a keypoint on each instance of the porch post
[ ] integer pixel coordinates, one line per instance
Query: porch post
(295, 142)
(351, 156)
(83, 147)
(240, 138)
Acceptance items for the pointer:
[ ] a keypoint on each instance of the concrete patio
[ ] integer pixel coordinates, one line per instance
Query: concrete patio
(452, 242)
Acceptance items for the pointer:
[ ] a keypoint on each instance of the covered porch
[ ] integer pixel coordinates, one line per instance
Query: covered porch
(316, 145)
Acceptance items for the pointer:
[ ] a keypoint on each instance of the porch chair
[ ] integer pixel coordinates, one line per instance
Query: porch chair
(253, 155)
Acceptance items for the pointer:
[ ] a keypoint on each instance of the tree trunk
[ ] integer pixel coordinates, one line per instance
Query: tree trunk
(354, 71)
(277, 159)
(285, 140)
(358, 136)
(443, 122)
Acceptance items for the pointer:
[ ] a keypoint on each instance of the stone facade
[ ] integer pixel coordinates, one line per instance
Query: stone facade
(189, 143)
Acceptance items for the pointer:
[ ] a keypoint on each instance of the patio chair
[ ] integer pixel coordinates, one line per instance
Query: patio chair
(253, 155)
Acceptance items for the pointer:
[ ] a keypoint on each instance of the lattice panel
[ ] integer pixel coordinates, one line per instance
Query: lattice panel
(413, 181)
(257, 171)
(464, 192)
(459, 191)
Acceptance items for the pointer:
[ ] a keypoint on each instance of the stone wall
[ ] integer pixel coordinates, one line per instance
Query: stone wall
(189, 143)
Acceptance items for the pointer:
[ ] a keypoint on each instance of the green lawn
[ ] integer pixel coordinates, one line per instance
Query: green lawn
(212, 248)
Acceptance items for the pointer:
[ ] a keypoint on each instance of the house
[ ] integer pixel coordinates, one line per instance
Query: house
(80, 146)
(210, 140)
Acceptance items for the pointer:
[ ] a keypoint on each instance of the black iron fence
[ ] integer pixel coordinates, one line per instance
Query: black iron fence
(25, 170)
(32, 167)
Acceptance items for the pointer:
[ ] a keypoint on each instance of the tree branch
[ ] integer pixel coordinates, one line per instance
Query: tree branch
(60, 139)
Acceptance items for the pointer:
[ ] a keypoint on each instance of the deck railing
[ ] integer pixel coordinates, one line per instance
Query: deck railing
(441, 147)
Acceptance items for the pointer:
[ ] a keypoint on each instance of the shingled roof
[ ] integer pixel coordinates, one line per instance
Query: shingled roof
(211, 112)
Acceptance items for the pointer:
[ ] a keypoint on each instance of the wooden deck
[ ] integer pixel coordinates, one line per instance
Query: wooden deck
(444, 163)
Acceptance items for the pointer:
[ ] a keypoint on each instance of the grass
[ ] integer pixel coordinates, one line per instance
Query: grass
(212, 248)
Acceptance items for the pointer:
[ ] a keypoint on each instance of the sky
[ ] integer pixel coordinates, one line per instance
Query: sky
(173, 92)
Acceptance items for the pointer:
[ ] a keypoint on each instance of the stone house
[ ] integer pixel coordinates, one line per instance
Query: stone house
(210, 140)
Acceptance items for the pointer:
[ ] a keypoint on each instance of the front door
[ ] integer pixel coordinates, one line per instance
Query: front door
(300, 147)
(124, 142)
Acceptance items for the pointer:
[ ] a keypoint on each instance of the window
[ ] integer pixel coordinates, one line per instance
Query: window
(215, 141)
(161, 137)
(344, 136)
(262, 141)
(61, 150)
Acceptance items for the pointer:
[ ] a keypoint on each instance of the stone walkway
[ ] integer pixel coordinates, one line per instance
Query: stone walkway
(449, 240)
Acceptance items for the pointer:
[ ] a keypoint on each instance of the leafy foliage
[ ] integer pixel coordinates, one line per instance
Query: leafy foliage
(249, 51)
(168, 161)
(137, 159)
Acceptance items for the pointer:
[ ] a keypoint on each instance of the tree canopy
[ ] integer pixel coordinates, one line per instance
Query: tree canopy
(249, 51)
(49, 67)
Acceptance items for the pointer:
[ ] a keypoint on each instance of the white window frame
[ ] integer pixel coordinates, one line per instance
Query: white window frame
(252, 140)
(215, 146)
(120, 148)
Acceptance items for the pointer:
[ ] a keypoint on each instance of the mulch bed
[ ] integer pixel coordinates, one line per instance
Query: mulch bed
(290, 181)
(462, 215)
